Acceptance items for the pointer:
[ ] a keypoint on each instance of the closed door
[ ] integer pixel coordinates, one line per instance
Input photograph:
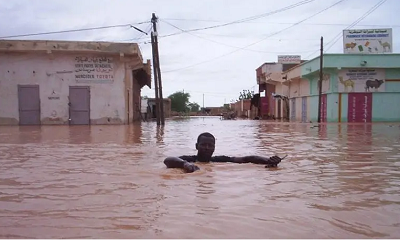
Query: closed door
(304, 109)
(293, 109)
(79, 105)
(29, 104)
(359, 107)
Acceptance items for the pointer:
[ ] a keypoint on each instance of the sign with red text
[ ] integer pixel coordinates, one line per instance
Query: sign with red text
(360, 107)
(94, 69)
(289, 59)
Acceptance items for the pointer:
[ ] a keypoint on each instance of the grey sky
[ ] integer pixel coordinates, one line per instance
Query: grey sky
(219, 78)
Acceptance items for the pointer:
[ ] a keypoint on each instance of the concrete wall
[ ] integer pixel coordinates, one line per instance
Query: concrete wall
(351, 61)
(272, 71)
(299, 88)
(54, 75)
(237, 107)
(385, 107)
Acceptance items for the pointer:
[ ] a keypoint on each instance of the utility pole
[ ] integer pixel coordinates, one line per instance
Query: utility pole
(320, 78)
(155, 81)
(156, 63)
(203, 104)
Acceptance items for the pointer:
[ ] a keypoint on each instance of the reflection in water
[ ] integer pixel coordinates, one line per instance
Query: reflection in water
(160, 134)
(80, 134)
(338, 181)
(134, 133)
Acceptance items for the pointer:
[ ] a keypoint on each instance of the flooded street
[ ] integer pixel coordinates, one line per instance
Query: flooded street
(338, 181)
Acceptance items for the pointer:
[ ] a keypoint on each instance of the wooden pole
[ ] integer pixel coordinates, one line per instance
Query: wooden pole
(155, 80)
(321, 73)
(157, 57)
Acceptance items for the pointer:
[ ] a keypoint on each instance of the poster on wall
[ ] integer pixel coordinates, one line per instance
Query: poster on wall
(94, 69)
(367, 41)
(361, 80)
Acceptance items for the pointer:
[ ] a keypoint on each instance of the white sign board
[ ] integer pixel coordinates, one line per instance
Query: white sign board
(289, 59)
(361, 80)
(94, 69)
(367, 41)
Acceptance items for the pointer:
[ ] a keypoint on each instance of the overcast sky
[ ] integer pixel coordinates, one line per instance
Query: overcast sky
(214, 61)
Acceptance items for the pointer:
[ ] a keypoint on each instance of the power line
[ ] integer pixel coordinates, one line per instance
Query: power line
(287, 23)
(224, 44)
(376, 6)
(146, 32)
(245, 19)
(325, 9)
(337, 37)
(75, 30)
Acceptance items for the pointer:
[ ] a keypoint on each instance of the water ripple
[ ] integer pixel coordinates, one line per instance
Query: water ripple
(338, 181)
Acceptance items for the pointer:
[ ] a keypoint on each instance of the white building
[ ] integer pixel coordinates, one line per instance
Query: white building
(62, 82)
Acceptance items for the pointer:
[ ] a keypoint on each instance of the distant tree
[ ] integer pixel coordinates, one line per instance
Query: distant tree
(179, 101)
(246, 94)
(227, 107)
(194, 107)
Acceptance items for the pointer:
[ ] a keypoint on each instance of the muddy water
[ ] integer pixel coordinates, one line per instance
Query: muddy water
(339, 181)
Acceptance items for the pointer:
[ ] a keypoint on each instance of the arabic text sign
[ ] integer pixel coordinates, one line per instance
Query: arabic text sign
(289, 59)
(361, 80)
(367, 41)
(94, 69)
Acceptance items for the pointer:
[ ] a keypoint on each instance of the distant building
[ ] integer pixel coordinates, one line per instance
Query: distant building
(213, 111)
(152, 108)
(65, 82)
(270, 82)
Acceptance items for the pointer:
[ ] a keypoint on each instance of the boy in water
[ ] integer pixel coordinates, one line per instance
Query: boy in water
(205, 148)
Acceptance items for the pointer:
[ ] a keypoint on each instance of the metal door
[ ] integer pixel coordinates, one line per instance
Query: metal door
(79, 105)
(359, 107)
(304, 109)
(29, 104)
(293, 110)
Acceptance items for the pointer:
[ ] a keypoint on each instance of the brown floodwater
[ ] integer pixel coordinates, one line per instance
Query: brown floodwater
(338, 181)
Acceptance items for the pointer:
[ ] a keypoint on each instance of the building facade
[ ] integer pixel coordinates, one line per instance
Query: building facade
(271, 83)
(355, 88)
(63, 82)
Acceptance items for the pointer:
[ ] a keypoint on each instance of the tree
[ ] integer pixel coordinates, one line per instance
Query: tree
(246, 94)
(194, 107)
(179, 101)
